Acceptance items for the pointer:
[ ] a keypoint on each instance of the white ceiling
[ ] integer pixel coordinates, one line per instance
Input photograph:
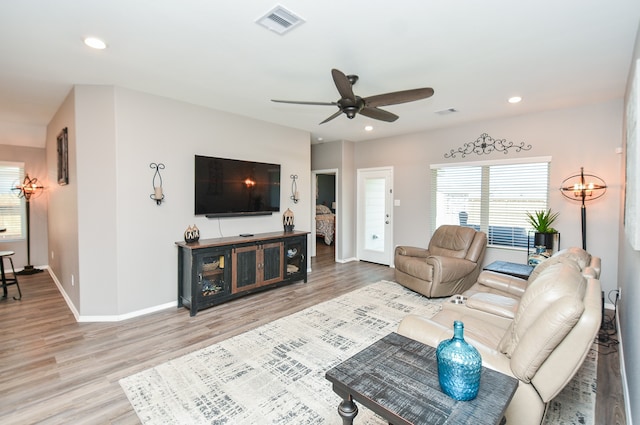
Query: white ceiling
(475, 54)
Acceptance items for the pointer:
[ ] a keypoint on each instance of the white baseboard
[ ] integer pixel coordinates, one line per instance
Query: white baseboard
(347, 260)
(108, 318)
(623, 375)
(64, 294)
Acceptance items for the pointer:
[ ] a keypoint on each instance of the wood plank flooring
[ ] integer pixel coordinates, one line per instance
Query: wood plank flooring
(54, 370)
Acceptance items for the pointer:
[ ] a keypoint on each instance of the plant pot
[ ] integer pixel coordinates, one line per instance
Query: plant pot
(551, 241)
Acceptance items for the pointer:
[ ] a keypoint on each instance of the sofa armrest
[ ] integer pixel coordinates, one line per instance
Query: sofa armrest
(595, 266)
(412, 251)
(448, 269)
(424, 330)
(431, 333)
(505, 283)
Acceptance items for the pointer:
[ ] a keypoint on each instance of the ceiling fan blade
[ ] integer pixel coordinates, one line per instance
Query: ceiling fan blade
(378, 114)
(337, 114)
(398, 97)
(343, 85)
(304, 103)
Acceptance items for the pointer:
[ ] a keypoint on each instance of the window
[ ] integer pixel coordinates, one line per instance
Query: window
(12, 210)
(492, 196)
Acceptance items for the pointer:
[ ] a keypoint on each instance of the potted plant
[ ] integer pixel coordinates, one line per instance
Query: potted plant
(545, 235)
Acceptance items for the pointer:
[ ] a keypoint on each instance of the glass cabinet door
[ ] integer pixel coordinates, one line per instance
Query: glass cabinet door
(295, 258)
(211, 277)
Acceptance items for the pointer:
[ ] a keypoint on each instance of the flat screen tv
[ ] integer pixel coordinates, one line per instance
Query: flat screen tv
(230, 187)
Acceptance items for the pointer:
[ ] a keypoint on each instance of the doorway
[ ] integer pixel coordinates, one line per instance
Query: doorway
(325, 213)
(374, 212)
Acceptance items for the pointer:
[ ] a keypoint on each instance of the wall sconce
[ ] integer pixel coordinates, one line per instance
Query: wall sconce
(583, 187)
(157, 194)
(295, 195)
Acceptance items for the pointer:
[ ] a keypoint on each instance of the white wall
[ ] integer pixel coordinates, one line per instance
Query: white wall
(126, 254)
(629, 313)
(585, 136)
(62, 215)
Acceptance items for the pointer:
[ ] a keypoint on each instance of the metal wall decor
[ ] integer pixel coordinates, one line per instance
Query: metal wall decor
(295, 196)
(486, 144)
(157, 194)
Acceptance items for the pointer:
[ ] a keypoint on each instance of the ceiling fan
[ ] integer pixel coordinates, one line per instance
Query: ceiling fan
(350, 104)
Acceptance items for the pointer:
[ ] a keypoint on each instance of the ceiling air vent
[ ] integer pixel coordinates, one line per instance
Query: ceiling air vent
(280, 20)
(447, 111)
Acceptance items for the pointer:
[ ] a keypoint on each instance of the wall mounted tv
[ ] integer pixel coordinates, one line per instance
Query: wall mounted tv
(230, 187)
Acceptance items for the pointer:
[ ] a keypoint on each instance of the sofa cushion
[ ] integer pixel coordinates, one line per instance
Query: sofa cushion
(568, 260)
(451, 241)
(544, 335)
(579, 255)
(499, 305)
(557, 281)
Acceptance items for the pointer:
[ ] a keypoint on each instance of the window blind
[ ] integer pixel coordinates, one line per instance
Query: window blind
(12, 209)
(493, 197)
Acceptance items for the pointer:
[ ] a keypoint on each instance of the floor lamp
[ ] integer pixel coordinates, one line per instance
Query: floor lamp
(583, 187)
(29, 188)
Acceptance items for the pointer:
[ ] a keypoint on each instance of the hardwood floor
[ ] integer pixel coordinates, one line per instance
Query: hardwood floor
(54, 370)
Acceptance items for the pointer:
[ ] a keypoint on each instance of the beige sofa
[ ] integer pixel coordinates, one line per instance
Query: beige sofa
(450, 265)
(500, 294)
(543, 345)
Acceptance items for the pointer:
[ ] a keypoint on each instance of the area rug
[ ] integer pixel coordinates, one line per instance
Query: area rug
(275, 374)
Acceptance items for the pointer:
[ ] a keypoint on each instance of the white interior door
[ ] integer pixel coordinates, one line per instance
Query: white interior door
(375, 205)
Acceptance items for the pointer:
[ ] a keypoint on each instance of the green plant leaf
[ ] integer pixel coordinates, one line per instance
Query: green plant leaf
(542, 220)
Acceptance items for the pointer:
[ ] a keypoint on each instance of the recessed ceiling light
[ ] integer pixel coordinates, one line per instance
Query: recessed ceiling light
(368, 128)
(95, 43)
(320, 139)
(515, 99)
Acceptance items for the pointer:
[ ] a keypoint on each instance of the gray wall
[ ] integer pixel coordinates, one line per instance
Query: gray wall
(629, 272)
(326, 189)
(35, 166)
(119, 256)
(339, 155)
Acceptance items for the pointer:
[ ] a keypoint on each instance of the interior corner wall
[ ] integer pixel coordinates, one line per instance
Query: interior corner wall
(114, 248)
(339, 155)
(63, 204)
(96, 179)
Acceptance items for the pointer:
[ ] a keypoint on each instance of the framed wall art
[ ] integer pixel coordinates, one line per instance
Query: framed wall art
(63, 157)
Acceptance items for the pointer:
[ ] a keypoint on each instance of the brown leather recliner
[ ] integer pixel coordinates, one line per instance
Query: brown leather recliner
(450, 265)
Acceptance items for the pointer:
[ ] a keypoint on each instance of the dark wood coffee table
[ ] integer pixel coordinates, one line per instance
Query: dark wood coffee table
(397, 378)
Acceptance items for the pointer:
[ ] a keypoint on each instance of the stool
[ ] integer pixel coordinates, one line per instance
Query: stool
(6, 281)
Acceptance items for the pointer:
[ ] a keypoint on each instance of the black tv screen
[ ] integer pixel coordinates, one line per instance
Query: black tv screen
(229, 187)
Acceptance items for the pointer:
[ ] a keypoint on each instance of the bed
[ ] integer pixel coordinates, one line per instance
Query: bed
(325, 224)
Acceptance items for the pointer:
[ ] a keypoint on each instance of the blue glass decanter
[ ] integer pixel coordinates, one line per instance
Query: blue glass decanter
(459, 366)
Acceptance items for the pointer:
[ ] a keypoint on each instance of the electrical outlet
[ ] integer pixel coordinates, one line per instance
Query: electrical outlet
(52, 255)
(619, 292)
(73, 283)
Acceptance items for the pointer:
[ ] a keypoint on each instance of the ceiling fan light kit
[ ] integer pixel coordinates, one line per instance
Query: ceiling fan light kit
(352, 105)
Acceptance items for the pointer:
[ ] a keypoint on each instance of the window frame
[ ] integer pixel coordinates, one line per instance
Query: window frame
(485, 198)
(11, 182)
